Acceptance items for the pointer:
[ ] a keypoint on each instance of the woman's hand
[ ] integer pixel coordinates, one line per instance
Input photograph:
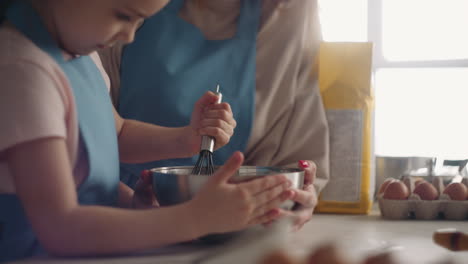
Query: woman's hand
(211, 119)
(221, 206)
(306, 198)
(144, 197)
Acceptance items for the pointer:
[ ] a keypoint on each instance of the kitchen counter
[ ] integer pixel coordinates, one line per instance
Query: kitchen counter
(356, 235)
(360, 235)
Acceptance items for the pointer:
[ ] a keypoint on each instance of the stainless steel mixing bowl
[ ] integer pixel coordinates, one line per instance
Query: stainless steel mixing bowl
(174, 185)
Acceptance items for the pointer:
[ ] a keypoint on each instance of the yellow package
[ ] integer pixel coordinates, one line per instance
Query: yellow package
(345, 84)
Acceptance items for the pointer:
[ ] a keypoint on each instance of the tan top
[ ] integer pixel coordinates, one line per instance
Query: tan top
(289, 122)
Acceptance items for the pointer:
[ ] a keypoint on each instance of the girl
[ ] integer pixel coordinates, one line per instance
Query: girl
(61, 141)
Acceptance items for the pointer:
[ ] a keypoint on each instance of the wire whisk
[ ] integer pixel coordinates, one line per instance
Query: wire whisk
(204, 163)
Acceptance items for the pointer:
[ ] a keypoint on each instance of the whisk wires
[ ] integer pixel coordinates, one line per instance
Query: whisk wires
(204, 165)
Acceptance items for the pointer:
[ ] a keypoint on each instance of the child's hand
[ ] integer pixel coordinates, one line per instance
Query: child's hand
(144, 197)
(221, 206)
(211, 119)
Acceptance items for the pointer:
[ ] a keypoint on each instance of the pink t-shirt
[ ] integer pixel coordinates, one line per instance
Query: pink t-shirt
(36, 101)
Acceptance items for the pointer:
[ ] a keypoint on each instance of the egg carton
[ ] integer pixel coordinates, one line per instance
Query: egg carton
(416, 208)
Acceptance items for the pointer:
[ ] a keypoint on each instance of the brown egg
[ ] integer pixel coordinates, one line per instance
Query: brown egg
(418, 181)
(385, 184)
(426, 191)
(396, 190)
(278, 257)
(383, 258)
(457, 191)
(326, 254)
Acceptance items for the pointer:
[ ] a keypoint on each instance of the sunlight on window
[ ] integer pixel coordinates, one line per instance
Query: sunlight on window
(422, 112)
(343, 20)
(424, 29)
(419, 111)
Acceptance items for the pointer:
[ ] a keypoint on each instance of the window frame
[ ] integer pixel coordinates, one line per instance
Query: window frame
(374, 35)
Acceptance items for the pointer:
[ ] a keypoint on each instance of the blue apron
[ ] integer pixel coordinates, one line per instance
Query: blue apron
(97, 131)
(171, 65)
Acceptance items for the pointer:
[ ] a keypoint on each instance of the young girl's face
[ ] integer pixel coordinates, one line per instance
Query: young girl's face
(83, 26)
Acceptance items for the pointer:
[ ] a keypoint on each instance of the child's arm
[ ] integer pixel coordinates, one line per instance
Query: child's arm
(143, 142)
(44, 183)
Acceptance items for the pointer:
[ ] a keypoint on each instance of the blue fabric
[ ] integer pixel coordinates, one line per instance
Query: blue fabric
(97, 130)
(171, 65)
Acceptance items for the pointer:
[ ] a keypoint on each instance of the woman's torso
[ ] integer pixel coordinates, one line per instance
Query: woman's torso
(287, 42)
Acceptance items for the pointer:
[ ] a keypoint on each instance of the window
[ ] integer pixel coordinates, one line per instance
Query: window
(420, 70)
(343, 20)
(424, 30)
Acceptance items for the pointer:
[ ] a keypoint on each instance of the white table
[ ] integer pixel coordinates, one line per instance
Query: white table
(360, 235)
(356, 235)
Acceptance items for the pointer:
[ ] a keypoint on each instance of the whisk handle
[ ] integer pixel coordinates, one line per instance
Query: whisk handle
(207, 141)
(220, 97)
(219, 94)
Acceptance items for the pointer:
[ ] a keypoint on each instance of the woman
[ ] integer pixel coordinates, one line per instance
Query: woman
(261, 53)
